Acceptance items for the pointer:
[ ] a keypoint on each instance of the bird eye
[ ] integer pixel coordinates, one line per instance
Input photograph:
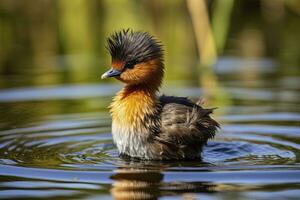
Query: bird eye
(130, 64)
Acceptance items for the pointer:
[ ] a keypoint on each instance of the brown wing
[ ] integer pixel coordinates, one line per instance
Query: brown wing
(185, 126)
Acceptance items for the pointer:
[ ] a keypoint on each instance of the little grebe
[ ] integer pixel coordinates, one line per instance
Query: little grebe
(144, 125)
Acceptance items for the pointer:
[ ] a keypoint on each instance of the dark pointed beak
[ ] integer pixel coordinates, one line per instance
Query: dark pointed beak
(111, 73)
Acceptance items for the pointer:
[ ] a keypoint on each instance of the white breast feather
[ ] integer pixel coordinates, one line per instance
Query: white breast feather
(130, 141)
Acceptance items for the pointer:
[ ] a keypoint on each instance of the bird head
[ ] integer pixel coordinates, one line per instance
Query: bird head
(137, 58)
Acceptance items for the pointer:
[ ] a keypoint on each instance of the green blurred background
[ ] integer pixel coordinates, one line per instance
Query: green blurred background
(50, 42)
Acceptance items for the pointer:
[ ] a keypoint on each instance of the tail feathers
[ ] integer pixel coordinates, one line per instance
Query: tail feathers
(199, 119)
(200, 102)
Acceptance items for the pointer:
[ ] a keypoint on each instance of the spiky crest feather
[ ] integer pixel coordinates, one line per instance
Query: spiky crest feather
(129, 46)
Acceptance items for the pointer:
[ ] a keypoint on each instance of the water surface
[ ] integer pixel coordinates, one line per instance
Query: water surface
(55, 143)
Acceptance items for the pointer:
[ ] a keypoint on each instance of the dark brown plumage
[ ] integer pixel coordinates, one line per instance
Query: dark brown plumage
(185, 127)
(144, 125)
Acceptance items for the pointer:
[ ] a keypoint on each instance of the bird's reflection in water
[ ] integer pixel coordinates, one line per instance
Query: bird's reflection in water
(135, 181)
(136, 184)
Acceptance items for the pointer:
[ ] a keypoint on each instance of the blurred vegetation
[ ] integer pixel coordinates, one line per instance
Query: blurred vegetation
(55, 42)
(47, 42)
